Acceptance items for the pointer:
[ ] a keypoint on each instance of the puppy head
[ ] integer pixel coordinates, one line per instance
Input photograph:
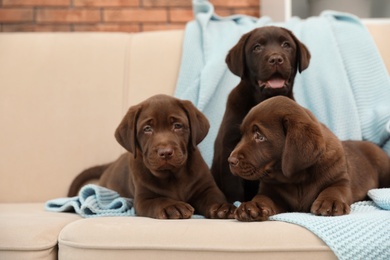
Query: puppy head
(269, 58)
(278, 136)
(163, 130)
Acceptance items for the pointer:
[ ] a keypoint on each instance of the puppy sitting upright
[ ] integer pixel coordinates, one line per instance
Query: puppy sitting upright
(163, 171)
(302, 165)
(267, 60)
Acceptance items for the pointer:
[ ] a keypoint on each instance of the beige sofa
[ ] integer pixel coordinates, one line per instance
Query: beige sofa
(61, 97)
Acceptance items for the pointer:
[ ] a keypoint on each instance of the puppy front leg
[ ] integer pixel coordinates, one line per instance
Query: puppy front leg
(260, 208)
(333, 201)
(212, 204)
(163, 208)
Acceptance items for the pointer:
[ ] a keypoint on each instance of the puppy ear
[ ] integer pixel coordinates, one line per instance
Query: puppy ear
(303, 54)
(304, 142)
(126, 132)
(235, 59)
(199, 125)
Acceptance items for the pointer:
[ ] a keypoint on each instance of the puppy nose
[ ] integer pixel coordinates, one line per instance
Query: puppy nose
(275, 59)
(165, 153)
(233, 161)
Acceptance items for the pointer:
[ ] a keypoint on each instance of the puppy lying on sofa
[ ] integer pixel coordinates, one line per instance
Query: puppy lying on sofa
(163, 171)
(302, 165)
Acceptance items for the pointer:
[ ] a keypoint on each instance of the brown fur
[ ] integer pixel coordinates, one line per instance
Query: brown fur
(163, 170)
(302, 165)
(259, 56)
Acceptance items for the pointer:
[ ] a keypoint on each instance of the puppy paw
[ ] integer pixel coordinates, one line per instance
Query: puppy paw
(253, 211)
(330, 207)
(179, 210)
(222, 211)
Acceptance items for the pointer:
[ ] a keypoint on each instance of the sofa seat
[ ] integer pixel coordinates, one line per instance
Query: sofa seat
(28, 232)
(145, 238)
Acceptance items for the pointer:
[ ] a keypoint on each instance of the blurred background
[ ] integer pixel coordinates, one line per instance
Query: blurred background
(108, 15)
(150, 15)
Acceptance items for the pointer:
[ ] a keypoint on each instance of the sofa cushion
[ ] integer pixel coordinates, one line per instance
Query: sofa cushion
(146, 238)
(28, 232)
(154, 63)
(62, 97)
(377, 27)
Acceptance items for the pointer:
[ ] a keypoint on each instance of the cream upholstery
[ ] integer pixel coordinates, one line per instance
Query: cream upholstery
(28, 232)
(188, 239)
(61, 97)
(380, 31)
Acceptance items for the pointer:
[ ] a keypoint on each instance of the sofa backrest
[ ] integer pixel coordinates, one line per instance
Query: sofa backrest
(62, 96)
(380, 32)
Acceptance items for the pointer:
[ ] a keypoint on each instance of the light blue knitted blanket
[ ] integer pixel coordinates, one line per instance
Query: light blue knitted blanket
(96, 201)
(93, 201)
(363, 234)
(346, 85)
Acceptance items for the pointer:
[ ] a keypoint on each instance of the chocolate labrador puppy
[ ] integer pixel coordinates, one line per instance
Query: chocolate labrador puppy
(267, 60)
(302, 165)
(163, 170)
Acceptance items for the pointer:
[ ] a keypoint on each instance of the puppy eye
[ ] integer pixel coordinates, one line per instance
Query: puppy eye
(177, 126)
(286, 45)
(258, 47)
(148, 129)
(259, 137)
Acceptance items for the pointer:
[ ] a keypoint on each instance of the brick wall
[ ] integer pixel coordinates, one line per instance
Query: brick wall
(108, 15)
